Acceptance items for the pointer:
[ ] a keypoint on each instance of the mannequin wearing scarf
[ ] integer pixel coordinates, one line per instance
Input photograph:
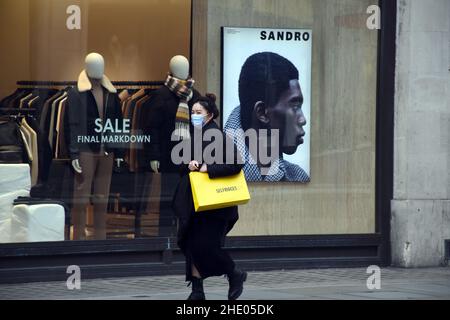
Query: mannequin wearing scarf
(166, 113)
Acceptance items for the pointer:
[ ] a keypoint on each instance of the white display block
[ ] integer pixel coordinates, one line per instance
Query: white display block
(6, 202)
(5, 231)
(34, 223)
(14, 177)
(6, 210)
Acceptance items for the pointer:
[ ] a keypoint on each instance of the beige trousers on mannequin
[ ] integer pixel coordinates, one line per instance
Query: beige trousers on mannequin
(95, 178)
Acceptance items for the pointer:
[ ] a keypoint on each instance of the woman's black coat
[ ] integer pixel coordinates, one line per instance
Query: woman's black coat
(183, 204)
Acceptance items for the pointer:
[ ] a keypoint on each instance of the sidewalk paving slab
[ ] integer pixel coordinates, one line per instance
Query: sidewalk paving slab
(320, 284)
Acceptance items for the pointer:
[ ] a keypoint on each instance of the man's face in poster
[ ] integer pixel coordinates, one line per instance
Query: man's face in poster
(287, 116)
(271, 101)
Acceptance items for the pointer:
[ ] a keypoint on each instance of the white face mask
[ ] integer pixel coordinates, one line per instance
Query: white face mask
(198, 120)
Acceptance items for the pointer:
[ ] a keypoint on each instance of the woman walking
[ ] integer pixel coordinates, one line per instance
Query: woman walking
(201, 235)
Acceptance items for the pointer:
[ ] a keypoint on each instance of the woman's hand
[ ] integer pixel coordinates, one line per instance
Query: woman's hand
(193, 165)
(204, 168)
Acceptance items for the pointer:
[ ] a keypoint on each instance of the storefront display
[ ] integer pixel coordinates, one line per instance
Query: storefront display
(95, 152)
(95, 96)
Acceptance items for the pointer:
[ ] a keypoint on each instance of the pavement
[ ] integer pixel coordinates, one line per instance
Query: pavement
(315, 284)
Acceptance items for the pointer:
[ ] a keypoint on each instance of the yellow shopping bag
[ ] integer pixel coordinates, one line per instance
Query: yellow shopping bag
(210, 194)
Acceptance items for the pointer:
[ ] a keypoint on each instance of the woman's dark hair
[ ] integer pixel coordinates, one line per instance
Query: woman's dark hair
(209, 103)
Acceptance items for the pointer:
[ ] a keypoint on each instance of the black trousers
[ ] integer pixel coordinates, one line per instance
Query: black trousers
(205, 240)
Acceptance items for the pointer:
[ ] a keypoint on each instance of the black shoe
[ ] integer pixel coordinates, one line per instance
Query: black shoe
(197, 296)
(236, 280)
(197, 290)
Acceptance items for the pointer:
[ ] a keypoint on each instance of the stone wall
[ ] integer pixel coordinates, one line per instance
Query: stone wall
(421, 206)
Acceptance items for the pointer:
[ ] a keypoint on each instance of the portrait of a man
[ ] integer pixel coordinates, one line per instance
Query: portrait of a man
(271, 102)
(266, 101)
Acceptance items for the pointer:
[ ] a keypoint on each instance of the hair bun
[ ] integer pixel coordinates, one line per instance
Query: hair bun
(211, 96)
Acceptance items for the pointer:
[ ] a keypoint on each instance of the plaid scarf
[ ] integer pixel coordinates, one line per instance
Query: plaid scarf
(183, 89)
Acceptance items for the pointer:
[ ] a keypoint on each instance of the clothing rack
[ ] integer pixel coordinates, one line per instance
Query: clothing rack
(13, 117)
(15, 113)
(72, 83)
(25, 110)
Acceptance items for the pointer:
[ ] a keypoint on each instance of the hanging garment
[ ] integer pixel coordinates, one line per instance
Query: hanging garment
(127, 113)
(25, 100)
(60, 182)
(60, 151)
(44, 94)
(54, 140)
(44, 117)
(32, 102)
(54, 110)
(63, 131)
(6, 100)
(136, 130)
(34, 150)
(124, 94)
(123, 104)
(26, 136)
(44, 151)
(11, 143)
(130, 116)
(15, 101)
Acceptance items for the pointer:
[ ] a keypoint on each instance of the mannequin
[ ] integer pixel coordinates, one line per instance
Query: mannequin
(95, 68)
(168, 113)
(179, 68)
(94, 99)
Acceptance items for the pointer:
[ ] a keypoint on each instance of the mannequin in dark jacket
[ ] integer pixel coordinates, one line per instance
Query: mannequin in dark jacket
(166, 113)
(159, 113)
(201, 235)
(93, 101)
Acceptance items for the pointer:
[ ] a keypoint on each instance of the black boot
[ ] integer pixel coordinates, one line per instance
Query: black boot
(236, 280)
(197, 290)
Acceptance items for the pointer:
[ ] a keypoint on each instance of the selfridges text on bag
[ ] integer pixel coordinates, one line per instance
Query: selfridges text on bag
(210, 194)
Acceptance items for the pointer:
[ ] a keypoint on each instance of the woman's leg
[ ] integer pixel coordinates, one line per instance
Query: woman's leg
(195, 272)
(206, 247)
(193, 276)
(197, 285)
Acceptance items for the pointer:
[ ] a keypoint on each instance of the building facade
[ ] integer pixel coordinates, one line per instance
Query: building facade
(376, 94)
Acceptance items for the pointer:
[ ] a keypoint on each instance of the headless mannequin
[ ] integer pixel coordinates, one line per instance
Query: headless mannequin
(179, 68)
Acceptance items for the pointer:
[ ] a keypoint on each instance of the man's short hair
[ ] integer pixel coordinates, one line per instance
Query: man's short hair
(264, 77)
